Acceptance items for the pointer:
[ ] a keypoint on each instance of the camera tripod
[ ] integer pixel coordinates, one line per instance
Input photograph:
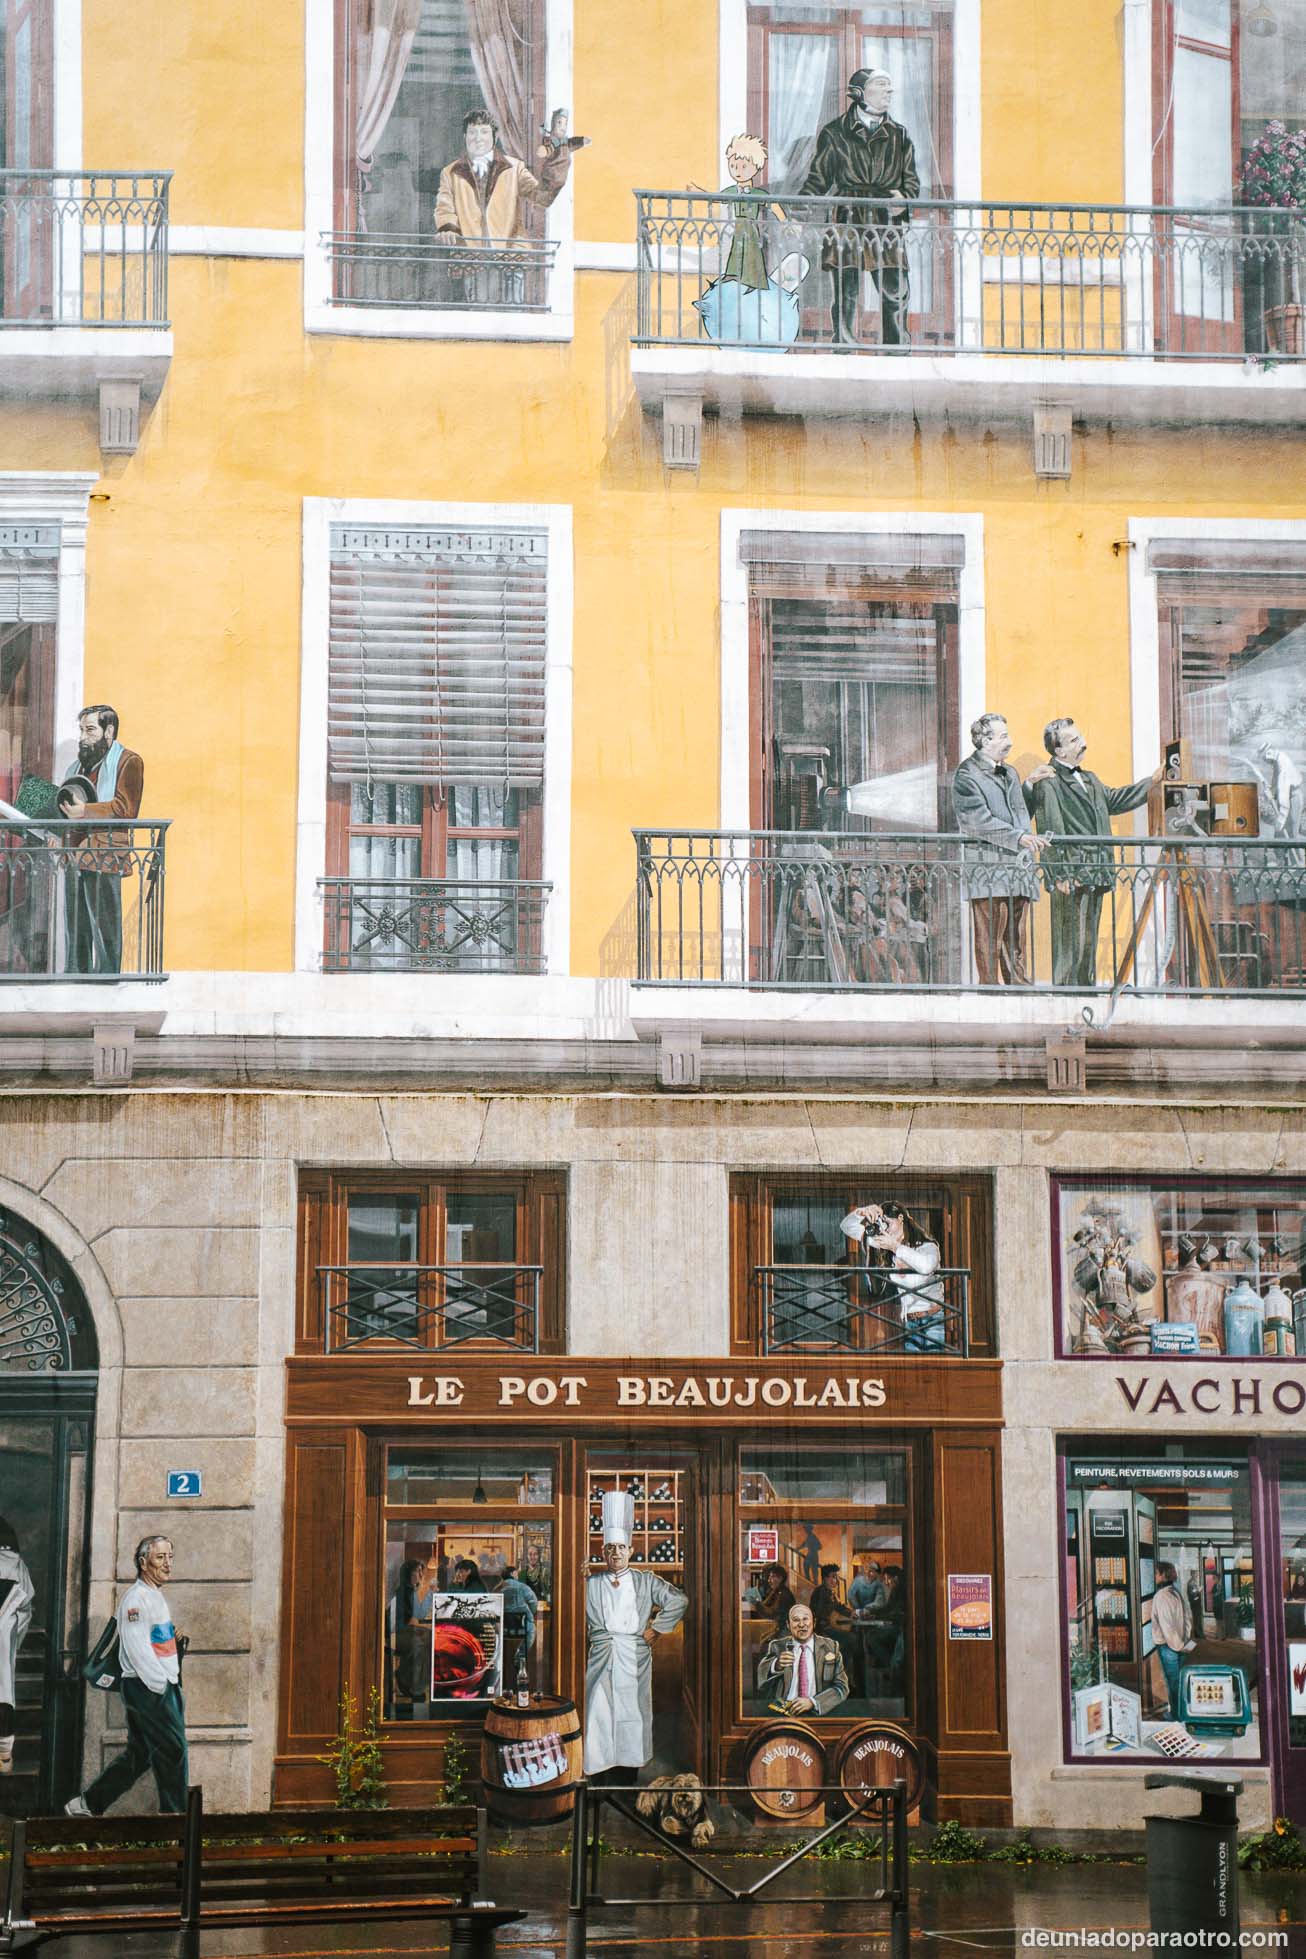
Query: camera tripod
(1174, 874)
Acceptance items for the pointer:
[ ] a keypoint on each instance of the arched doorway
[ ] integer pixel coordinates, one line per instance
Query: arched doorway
(48, 1372)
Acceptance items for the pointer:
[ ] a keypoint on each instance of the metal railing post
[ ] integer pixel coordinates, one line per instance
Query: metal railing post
(192, 1852)
(577, 1923)
(900, 1911)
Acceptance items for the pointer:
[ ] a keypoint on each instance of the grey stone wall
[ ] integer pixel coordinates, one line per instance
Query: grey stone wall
(178, 1212)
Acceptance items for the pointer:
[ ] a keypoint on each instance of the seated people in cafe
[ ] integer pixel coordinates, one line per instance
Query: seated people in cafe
(801, 1671)
(776, 1600)
(833, 1616)
(868, 1591)
(467, 1577)
(895, 1612)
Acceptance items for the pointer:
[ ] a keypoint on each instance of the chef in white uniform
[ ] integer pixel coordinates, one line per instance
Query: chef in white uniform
(17, 1594)
(626, 1613)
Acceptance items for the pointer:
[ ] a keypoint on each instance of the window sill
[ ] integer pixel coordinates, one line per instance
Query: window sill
(412, 323)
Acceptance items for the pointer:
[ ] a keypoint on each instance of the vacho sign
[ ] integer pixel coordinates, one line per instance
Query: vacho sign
(1248, 1395)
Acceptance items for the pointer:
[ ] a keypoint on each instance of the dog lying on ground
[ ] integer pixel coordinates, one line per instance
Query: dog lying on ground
(678, 1806)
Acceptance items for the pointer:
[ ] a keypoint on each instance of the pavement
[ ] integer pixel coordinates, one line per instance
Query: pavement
(957, 1911)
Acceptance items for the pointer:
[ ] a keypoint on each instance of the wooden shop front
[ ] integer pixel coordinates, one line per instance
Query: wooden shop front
(400, 1464)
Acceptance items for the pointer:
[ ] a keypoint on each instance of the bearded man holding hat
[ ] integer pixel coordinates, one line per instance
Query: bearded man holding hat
(867, 155)
(626, 1613)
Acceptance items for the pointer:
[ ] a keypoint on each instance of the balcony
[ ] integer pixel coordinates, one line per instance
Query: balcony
(81, 902)
(850, 912)
(434, 273)
(431, 1308)
(433, 925)
(1136, 312)
(852, 1309)
(84, 291)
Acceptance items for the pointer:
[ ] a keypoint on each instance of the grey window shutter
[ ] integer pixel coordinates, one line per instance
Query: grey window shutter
(437, 656)
(29, 573)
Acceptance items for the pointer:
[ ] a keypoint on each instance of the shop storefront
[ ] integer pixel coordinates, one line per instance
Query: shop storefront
(1184, 1606)
(441, 1525)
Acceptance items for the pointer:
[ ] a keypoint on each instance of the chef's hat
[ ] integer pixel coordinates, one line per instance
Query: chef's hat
(618, 1516)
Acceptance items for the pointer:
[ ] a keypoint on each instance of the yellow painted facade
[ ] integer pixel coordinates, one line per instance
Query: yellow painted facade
(194, 569)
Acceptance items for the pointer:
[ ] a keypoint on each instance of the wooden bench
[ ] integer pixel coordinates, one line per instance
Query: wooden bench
(78, 1874)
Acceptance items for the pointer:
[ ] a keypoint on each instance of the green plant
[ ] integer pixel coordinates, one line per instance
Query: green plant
(1023, 1851)
(1085, 1666)
(1246, 1610)
(354, 1757)
(854, 1848)
(457, 1769)
(1279, 1848)
(953, 1843)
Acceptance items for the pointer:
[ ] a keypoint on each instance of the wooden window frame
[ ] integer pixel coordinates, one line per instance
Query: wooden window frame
(435, 833)
(323, 1224)
(761, 675)
(968, 1241)
(825, 1510)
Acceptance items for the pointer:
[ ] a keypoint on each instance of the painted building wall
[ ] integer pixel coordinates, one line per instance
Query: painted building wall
(177, 1211)
(194, 552)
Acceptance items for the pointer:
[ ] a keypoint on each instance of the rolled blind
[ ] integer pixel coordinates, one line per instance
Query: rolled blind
(437, 660)
(29, 573)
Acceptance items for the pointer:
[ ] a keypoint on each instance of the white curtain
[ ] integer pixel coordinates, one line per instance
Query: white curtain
(804, 93)
(501, 56)
(386, 30)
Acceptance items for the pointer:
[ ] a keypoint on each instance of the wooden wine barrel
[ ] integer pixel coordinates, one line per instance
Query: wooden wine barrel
(876, 1753)
(785, 1769)
(531, 1760)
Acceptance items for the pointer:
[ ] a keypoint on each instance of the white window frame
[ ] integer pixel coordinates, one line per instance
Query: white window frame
(736, 811)
(320, 513)
(59, 497)
(1145, 616)
(67, 133)
(733, 99)
(321, 315)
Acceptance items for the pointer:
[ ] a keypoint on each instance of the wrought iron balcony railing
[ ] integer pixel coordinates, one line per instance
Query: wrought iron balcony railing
(431, 1307)
(431, 270)
(81, 901)
(838, 911)
(812, 1308)
(433, 925)
(84, 248)
(1069, 280)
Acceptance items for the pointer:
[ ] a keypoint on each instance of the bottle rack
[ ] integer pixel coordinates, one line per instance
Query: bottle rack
(658, 1539)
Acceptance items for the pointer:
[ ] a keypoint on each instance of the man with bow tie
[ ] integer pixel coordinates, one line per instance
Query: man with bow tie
(1000, 868)
(1070, 802)
(803, 1670)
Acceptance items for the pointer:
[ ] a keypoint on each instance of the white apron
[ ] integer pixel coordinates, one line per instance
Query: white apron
(619, 1671)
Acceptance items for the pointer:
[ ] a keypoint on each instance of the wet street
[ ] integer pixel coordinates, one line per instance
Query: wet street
(958, 1910)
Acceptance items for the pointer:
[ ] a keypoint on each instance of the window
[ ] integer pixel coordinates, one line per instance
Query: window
(29, 604)
(801, 1283)
(1223, 71)
(825, 1534)
(28, 87)
(854, 656)
(436, 721)
(467, 1586)
(1198, 1268)
(800, 56)
(1160, 1593)
(1233, 638)
(432, 1263)
(407, 72)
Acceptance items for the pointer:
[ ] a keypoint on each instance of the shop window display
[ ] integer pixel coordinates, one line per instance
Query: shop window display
(1161, 1609)
(1193, 1269)
(824, 1577)
(468, 1592)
